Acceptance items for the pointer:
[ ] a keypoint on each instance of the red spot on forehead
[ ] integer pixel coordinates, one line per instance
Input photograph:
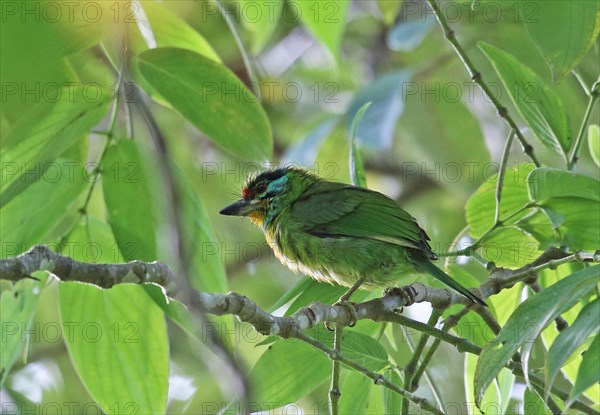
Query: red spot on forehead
(247, 193)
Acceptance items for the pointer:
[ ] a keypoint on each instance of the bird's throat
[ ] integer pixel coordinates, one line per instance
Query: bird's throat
(257, 217)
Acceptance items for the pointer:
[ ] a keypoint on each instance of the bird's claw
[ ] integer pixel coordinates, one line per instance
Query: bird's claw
(407, 293)
(351, 307)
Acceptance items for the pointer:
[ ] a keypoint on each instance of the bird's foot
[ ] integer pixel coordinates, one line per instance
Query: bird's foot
(348, 305)
(406, 293)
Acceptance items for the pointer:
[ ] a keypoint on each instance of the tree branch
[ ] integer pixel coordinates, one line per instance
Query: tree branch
(41, 258)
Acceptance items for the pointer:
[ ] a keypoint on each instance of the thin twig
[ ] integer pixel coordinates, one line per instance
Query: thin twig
(376, 377)
(463, 345)
(334, 391)
(488, 318)
(478, 79)
(527, 270)
(478, 243)
(594, 95)
(450, 322)
(96, 172)
(411, 366)
(471, 250)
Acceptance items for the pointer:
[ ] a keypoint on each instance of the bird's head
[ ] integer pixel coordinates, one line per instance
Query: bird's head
(266, 194)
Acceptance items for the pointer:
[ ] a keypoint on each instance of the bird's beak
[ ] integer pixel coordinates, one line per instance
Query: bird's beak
(239, 208)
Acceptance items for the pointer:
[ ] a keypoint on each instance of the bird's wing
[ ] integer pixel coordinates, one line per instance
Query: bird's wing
(337, 210)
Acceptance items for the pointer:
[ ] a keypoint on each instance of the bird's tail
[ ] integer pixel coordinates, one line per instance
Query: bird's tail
(447, 279)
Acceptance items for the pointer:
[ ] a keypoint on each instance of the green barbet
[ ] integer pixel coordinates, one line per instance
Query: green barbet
(338, 233)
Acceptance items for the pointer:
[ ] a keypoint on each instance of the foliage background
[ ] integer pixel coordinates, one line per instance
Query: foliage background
(430, 140)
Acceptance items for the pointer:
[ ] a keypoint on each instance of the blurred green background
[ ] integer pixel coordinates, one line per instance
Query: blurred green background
(430, 140)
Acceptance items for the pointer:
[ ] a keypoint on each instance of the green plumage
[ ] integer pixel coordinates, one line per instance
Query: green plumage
(338, 233)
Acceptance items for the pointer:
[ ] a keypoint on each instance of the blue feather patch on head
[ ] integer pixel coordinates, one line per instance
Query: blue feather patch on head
(277, 186)
(265, 176)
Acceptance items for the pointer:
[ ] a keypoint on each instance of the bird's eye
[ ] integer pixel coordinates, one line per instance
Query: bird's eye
(261, 187)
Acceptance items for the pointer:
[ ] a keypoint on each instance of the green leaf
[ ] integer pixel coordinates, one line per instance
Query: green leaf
(117, 340)
(17, 308)
(49, 33)
(569, 340)
(580, 226)
(510, 247)
(288, 371)
(169, 30)
(491, 400)
(260, 18)
(594, 143)
(157, 26)
(471, 326)
(212, 98)
(570, 368)
(546, 183)
(207, 271)
(92, 240)
(588, 374)
(439, 146)
(533, 404)
(563, 31)
(28, 219)
(481, 206)
(357, 170)
(391, 400)
(45, 132)
(298, 288)
(177, 312)
(527, 321)
(364, 350)
(325, 20)
(539, 106)
(131, 214)
(355, 394)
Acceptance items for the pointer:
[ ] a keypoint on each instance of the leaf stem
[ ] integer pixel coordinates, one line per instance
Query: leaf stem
(579, 79)
(594, 95)
(478, 79)
(470, 250)
(499, 223)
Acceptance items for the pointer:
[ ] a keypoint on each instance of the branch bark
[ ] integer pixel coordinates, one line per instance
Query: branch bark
(41, 258)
